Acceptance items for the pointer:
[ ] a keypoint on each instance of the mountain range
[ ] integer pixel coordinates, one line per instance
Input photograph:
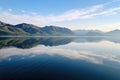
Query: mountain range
(25, 29)
(31, 30)
(96, 33)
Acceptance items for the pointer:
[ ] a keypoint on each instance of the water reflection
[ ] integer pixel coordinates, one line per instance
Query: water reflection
(97, 39)
(51, 51)
(33, 46)
(29, 42)
(59, 58)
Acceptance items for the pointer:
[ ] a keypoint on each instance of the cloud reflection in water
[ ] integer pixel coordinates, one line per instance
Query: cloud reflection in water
(6, 53)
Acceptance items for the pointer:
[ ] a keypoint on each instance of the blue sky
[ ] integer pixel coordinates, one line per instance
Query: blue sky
(74, 14)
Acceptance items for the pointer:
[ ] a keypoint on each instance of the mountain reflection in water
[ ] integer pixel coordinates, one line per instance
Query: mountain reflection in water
(59, 58)
(29, 42)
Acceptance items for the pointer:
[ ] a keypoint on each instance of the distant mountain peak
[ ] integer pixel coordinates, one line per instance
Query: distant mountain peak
(2, 23)
(51, 26)
(26, 24)
(116, 30)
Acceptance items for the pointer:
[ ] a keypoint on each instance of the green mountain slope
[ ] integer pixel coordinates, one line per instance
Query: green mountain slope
(31, 30)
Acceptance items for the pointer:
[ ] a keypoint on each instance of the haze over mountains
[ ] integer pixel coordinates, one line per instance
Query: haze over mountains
(96, 33)
(25, 29)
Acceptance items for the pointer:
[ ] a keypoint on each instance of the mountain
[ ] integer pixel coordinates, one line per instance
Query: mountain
(113, 33)
(88, 32)
(95, 33)
(25, 29)
(8, 29)
(81, 32)
(56, 31)
(31, 30)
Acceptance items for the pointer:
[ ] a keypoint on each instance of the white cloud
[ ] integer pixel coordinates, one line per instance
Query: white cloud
(23, 11)
(10, 9)
(39, 20)
(106, 12)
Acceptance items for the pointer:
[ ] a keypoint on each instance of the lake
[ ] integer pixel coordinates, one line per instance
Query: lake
(60, 58)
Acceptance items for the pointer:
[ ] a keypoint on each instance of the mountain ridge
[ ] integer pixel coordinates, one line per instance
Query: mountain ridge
(97, 32)
(33, 30)
(25, 29)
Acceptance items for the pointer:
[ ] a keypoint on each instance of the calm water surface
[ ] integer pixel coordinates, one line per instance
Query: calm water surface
(59, 58)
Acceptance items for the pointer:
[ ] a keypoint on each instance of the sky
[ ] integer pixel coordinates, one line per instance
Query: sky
(73, 14)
